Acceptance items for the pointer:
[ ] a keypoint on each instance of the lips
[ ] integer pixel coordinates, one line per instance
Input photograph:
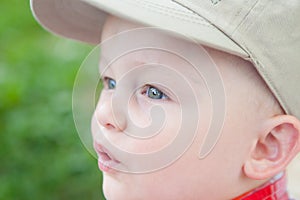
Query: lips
(106, 162)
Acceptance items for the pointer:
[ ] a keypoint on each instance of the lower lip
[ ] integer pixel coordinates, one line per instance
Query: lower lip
(105, 163)
(103, 167)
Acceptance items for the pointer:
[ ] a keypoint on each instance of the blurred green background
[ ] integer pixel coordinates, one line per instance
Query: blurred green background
(41, 154)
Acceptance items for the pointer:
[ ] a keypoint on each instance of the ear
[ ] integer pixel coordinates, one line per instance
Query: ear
(276, 145)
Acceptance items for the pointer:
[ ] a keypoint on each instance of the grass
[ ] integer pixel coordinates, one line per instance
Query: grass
(41, 154)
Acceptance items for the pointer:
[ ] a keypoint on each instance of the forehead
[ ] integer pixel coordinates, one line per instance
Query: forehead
(164, 54)
(225, 62)
(114, 25)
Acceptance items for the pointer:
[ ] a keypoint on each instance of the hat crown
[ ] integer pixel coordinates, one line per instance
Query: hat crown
(267, 32)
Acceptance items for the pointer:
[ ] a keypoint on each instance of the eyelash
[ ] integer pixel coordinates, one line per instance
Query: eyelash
(145, 90)
(106, 83)
(149, 88)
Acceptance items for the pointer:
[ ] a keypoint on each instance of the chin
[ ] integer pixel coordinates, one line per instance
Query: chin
(114, 190)
(118, 189)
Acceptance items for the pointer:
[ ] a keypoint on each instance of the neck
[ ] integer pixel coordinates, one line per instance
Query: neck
(274, 189)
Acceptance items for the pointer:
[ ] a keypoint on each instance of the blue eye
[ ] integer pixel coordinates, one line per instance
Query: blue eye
(111, 83)
(154, 93)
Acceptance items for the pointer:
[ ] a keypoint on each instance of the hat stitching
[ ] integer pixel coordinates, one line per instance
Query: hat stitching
(187, 11)
(210, 23)
(259, 66)
(171, 13)
(245, 16)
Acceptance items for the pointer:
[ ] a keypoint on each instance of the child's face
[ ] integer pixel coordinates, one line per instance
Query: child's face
(188, 177)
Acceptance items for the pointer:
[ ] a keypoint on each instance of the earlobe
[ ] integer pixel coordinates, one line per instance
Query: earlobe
(277, 144)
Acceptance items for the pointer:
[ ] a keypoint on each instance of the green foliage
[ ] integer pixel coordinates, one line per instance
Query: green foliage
(41, 154)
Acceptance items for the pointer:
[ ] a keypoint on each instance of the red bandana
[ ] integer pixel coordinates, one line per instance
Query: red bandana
(275, 189)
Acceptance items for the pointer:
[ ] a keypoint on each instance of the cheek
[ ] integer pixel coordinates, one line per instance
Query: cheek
(186, 178)
(139, 112)
(160, 123)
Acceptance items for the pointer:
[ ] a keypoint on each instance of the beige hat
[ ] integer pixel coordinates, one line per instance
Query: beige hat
(266, 32)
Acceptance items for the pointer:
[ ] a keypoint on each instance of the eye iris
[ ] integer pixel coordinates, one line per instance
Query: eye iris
(154, 93)
(111, 84)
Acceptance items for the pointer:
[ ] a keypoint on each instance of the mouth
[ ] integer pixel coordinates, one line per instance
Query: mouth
(106, 162)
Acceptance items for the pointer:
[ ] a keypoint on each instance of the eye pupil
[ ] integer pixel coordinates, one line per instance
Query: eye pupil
(111, 84)
(154, 93)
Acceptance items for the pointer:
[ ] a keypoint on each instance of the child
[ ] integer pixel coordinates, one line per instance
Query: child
(253, 46)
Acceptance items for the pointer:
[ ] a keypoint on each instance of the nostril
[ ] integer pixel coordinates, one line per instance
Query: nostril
(109, 126)
(106, 118)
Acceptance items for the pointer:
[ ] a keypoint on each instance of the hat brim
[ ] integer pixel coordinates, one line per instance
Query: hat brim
(83, 20)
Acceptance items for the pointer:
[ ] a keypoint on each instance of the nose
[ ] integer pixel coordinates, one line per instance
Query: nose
(109, 117)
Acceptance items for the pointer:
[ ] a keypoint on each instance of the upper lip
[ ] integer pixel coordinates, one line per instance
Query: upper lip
(102, 150)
